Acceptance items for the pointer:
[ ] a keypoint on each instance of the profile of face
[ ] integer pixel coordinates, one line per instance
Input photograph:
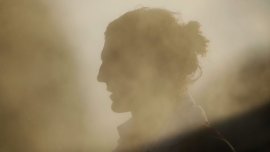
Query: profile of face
(128, 77)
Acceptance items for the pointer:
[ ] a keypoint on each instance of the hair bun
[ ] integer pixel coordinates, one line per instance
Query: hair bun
(193, 26)
(199, 42)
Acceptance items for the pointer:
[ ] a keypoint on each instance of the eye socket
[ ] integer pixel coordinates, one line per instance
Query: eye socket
(115, 55)
(111, 55)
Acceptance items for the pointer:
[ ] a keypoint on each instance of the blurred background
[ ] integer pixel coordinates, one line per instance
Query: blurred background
(50, 51)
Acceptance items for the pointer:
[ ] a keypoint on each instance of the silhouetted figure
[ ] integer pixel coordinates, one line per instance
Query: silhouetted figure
(149, 59)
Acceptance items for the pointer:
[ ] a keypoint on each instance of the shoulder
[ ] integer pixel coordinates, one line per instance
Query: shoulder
(206, 140)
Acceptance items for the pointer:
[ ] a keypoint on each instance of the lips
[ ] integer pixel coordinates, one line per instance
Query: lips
(112, 91)
(113, 97)
(109, 89)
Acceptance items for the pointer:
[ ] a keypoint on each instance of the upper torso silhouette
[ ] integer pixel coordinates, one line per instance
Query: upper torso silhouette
(148, 61)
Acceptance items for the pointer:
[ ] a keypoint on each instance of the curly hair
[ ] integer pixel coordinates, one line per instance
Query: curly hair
(158, 35)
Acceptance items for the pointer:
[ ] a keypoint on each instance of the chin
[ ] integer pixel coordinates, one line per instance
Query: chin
(119, 108)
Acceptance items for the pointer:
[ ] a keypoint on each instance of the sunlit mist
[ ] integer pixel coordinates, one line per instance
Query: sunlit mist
(60, 83)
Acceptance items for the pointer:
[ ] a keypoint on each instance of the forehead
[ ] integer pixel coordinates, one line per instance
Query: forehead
(116, 45)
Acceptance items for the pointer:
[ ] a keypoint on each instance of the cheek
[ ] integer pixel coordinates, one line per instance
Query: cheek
(133, 78)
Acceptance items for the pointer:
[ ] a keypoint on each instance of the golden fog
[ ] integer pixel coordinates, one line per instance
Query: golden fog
(50, 57)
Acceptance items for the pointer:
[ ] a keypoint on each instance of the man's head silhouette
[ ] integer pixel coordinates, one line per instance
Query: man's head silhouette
(149, 58)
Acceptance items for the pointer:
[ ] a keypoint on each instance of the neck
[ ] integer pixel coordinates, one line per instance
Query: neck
(157, 107)
(153, 114)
